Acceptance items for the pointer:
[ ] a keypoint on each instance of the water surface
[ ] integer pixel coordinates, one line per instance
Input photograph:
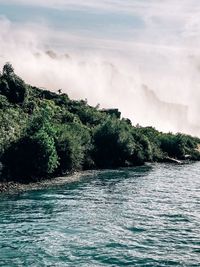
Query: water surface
(144, 216)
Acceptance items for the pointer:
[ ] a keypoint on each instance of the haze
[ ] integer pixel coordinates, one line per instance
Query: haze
(141, 56)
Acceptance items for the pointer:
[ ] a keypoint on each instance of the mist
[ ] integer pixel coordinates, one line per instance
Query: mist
(153, 85)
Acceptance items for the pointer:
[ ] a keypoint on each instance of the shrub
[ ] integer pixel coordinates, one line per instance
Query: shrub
(31, 158)
(113, 144)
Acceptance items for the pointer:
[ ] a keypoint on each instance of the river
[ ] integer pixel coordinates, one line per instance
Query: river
(143, 216)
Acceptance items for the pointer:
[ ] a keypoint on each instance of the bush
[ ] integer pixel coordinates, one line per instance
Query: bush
(12, 86)
(3, 102)
(31, 158)
(114, 144)
(72, 144)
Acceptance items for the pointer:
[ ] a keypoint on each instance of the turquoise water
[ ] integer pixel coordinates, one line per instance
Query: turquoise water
(147, 216)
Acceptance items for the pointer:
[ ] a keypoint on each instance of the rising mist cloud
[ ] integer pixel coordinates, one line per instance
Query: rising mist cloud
(162, 56)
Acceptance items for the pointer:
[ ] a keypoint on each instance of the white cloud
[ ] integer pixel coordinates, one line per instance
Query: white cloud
(168, 21)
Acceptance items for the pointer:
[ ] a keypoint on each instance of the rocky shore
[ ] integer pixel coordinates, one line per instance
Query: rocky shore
(11, 187)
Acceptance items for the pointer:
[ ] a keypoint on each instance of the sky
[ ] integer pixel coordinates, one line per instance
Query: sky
(142, 56)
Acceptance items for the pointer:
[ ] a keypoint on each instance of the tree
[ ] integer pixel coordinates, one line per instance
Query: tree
(18, 90)
(31, 158)
(113, 144)
(8, 69)
(72, 143)
(12, 86)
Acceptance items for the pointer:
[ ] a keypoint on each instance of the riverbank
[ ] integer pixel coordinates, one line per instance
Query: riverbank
(12, 187)
(45, 134)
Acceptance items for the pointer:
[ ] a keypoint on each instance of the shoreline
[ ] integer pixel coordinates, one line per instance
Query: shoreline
(12, 187)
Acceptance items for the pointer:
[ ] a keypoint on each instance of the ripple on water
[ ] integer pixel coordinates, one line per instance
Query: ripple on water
(144, 216)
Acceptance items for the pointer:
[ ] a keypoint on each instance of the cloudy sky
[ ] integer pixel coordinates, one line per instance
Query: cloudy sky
(163, 22)
(108, 51)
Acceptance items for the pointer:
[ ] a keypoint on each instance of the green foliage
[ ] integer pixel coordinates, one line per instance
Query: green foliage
(72, 144)
(8, 69)
(44, 134)
(3, 102)
(148, 137)
(143, 150)
(178, 145)
(12, 86)
(114, 112)
(41, 119)
(17, 90)
(31, 157)
(13, 122)
(88, 115)
(114, 144)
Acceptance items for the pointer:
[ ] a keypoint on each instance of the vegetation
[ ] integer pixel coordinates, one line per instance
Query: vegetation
(44, 134)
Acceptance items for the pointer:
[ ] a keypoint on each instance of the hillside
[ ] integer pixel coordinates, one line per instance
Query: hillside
(45, 134)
